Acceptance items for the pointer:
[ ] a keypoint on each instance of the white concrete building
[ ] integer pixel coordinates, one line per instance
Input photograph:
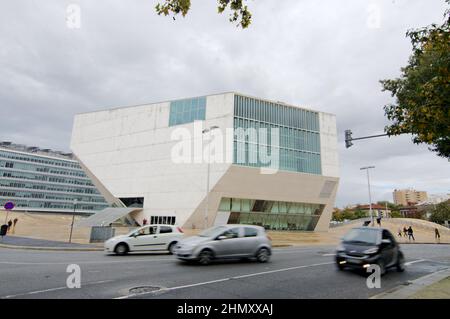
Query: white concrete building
(271, 164)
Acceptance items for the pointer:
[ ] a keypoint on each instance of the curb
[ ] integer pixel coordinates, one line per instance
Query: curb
(50, 248)
(414, 286)
(79, 249)
(422, 243)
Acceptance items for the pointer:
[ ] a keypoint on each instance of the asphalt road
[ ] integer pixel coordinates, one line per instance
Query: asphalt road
(295, 272)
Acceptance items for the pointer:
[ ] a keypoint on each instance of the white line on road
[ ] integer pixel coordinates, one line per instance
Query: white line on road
(228, 278)
(53, 289)
(81, 262)
(414, 261)
(328, 255)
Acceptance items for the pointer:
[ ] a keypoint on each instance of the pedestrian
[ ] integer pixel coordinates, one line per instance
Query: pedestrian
(405, 231)
(379, 221)
(437, 236)
(9, 225)
(14, 224)
(144, 222)
(411, 233)
(399, 232)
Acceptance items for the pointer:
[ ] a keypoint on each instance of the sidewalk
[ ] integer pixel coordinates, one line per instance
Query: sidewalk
(17, 242)
(439, 290)
(432, 286)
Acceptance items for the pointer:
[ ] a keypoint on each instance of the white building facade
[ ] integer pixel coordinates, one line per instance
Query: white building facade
(210, 160)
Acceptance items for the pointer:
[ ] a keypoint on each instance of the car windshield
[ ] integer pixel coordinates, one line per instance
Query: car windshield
(212, 232)
(361, 236)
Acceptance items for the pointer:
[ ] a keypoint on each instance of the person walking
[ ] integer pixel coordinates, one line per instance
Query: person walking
(379, 221)
(9, 225)
(399, 232)
(411, 234)
(405, 231)
(437, 236)
(14, 224)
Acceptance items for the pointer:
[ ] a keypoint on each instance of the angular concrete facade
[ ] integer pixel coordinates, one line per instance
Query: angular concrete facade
(137, 152)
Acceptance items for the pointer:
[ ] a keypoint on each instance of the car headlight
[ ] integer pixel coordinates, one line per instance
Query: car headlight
(372, 250)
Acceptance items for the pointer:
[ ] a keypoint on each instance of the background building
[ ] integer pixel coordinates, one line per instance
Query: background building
(377, 210)
(44, 180)
(131, 153)
(406, 197)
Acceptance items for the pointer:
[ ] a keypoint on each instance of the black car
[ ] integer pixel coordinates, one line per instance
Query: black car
(363, 246)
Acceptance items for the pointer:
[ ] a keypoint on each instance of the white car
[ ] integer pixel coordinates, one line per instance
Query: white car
(146, 238)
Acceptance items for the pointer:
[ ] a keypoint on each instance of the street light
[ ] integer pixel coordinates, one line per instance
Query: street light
(208, 130)
(73, 219)
(370, 195)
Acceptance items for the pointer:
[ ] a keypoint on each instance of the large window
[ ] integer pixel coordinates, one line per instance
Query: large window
(187, 111)
(272, 215)
(258, 122)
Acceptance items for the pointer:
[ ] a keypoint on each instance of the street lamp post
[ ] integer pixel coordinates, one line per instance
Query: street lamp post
(73, 219)
(208, 130)
(370, 195)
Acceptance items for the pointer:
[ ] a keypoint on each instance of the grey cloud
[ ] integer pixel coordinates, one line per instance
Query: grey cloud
(317, 54)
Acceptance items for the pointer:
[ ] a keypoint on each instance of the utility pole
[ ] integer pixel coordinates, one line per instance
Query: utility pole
(73, 219)
(208, 130)
(370, 194)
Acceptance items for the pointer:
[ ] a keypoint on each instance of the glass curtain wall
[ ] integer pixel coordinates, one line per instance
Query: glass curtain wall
(272, 215)
(37, 182)
(187, 111)
(298, 142)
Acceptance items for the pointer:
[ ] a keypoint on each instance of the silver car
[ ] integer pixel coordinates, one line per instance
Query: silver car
(227, 241)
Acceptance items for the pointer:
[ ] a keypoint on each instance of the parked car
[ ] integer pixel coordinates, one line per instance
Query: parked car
(146, 238)
(363, 246)
(227, 241)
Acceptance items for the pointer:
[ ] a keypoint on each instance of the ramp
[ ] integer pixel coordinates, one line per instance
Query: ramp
(106, 216)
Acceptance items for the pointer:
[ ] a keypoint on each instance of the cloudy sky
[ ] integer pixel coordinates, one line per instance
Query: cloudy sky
(328, 55)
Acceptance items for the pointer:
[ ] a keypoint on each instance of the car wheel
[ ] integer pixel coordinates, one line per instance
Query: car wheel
(263, 255)
(380, 264)
(172, 248)
(121, 249)
(205, 257)
(400, 263)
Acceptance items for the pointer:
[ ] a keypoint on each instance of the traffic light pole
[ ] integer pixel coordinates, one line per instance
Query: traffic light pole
(371, 136)
(349, 138)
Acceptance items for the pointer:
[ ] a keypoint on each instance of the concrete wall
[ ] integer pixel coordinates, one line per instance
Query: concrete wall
(247, 182)
(328, 145)
(130, 151)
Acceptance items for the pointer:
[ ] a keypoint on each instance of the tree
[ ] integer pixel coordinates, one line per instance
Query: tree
(442, 213)
(358, 213)
(396, 214)
(422, 93)
(239, 11)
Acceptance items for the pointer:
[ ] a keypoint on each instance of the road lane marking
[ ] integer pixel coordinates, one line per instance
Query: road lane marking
(81, 262)
(414, 262)
(277, 251)
(328, 255)
(226, 279)
(52, 289)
